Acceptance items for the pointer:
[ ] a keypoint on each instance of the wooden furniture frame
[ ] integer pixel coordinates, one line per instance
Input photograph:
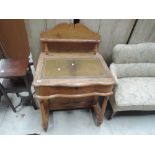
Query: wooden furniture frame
(17, 78)
(64, 79)
(13, 38)
(14, 45)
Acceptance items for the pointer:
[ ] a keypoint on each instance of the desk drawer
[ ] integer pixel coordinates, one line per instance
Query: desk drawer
(47, 91)
(71, 103)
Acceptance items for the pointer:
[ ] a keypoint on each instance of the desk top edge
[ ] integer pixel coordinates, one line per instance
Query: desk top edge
(70, 81)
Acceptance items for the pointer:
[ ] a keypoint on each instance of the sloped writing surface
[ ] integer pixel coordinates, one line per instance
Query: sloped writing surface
(73, 68)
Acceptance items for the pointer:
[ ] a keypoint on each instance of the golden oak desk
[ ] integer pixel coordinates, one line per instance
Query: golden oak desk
(71, 80)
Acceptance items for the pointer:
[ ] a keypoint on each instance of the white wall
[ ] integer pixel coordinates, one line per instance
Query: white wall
(112, 32)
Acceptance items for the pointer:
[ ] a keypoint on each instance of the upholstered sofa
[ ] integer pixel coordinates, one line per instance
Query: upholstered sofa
(133, 68)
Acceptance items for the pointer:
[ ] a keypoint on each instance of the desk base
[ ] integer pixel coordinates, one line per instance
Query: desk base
(60, 104)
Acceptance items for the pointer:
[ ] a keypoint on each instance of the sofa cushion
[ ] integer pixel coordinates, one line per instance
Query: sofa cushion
(133, 70)
(137, 53)
(134, 94)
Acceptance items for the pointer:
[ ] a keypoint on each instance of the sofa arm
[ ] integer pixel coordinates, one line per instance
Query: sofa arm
(114, 72)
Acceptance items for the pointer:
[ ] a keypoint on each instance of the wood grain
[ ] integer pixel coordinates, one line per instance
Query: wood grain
(13, 38)
(65, 32)
(71, 103)
(13, 68)
(44, 109)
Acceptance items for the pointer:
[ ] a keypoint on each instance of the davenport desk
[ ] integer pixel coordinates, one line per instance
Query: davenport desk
(70, 73)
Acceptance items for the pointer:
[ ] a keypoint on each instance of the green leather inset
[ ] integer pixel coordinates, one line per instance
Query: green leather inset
(72, 68)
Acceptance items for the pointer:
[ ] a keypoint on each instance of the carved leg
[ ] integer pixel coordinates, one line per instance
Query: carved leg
(45, 113)
(96, 110)
(99, 111)
(103, 108)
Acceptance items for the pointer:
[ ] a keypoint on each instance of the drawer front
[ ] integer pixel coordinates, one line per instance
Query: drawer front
(71, 103)
(47, 91)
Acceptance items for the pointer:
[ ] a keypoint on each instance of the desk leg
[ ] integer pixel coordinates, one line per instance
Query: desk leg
(99, 111)
(45, 113)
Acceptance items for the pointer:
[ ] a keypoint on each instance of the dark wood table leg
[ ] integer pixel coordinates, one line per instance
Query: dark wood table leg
(44, 113)
(30, 93)
(2, 89)
(100, 110)
(10, 102)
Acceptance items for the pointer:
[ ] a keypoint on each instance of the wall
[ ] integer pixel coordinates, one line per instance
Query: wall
(34, 27)
(112, 32)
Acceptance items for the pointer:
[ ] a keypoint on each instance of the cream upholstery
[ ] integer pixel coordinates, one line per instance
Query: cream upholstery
(134, 94)
(133, 68)
(137, 53)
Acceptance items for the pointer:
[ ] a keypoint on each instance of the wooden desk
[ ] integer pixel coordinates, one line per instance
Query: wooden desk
(78, 78)
(67, 79)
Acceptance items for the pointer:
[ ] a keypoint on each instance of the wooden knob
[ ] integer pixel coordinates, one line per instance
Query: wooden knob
(46, 49)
